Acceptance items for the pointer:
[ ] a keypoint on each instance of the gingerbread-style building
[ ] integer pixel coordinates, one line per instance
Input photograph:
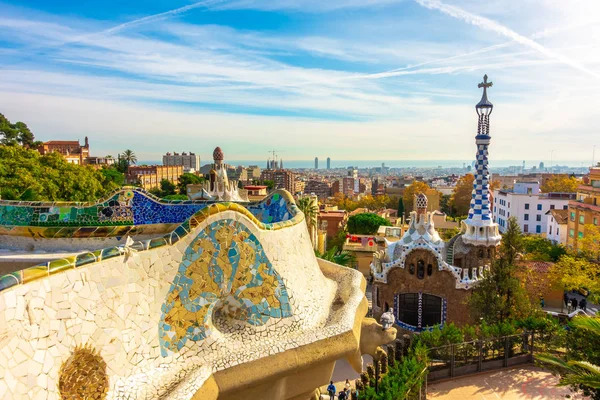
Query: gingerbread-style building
(425, 280)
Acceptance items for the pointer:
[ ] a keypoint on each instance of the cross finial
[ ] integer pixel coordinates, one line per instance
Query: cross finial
(485, 84)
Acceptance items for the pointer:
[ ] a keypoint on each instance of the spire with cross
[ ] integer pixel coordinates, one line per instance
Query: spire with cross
(479, 227)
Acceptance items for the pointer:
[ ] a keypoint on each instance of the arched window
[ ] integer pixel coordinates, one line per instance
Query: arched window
(480, 253)
(489, 253)
(429, 269)
(411, 269)
(470, 273)
(430, 312)
(420, 269)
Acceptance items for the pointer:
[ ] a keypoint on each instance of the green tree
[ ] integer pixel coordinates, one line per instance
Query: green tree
(334, 255)
(409, 193)
(175, 197)
(590, 243)
(366, 223)
(460, 201)
(560, 184)
(338, 240)
(129, 157)
(500, 295)
(401, 208)
(269, 184)
(15, 134)
(310, 210)
(167, 188)
(537, 248)
(113, 175)
(188, 179)
(27, 175)
(580, 368)
(575, 273)
(445, 204)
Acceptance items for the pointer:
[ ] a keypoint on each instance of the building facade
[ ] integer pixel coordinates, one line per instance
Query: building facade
(426, 281)
(316, 162)
(321, 189)
(282, 178)
(71, 150)
(556, 223)
(528, 205)
(189, 161)
(150, 176)
(584, 209)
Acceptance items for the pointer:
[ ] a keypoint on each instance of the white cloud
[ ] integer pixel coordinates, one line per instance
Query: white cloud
(403, 97)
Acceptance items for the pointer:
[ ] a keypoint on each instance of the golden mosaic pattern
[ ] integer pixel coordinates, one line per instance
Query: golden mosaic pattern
(83, 375)
(224, 268)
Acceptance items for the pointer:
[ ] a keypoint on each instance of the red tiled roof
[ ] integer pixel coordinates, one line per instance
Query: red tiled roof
(538, 266)
(75, 142)
(561, 216)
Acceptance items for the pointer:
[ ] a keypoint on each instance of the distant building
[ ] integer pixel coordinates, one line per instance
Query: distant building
(189, 161)
(328, 163)
(333, 221)
(150, 176)
(585, 209)
(299, 186)
(283, 178)
(321, 189)
(99, 162)
(528, 205)
(556, 226)
(256, 192)
(71, 150)
(253, 172)
(316, 162)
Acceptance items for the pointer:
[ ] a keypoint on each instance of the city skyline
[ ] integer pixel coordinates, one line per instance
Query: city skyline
(383, 80)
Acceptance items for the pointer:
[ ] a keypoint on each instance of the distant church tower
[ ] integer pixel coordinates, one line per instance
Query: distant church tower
(479, 228)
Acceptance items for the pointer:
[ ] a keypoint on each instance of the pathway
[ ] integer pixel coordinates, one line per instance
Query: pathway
(525, 382)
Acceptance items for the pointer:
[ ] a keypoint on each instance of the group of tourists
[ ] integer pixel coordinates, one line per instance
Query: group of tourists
(572, 303)
(345, 394)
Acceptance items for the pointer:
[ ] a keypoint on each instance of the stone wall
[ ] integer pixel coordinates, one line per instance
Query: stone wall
(439, 283)
(140, 325)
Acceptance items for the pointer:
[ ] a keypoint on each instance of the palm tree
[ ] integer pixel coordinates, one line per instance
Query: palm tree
(129, 157)
(343, 258)
(309, 208)
(573, 372)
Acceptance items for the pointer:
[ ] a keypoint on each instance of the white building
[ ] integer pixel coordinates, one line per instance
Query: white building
(189, 161)
(556, 222)
(528, 205)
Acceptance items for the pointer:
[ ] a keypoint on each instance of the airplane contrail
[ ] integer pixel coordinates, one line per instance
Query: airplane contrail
(160, 16)
(493, 26)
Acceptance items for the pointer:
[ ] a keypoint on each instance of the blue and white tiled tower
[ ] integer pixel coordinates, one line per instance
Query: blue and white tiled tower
(479, 228)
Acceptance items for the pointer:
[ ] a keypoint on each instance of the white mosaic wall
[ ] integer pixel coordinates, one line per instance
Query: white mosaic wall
(115, 306)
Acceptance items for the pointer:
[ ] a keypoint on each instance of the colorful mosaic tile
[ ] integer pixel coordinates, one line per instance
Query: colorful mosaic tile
(224, 267)
(272, 209)
(124, 213)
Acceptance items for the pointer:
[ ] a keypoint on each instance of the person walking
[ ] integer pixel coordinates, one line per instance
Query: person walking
(347, 385)
(566, 299)
(583, 304)
(574, 303)
(331, 390)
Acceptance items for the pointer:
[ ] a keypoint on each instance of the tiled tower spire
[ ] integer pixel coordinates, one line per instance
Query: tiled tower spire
(479, 228)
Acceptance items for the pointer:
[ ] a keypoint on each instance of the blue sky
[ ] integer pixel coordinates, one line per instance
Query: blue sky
(349, 79)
